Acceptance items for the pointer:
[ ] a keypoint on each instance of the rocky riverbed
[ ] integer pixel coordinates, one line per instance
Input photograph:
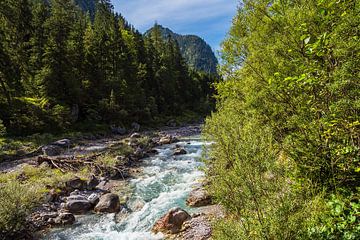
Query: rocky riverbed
(134, 202)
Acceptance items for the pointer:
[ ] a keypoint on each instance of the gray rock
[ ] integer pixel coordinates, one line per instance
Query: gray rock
(108, 203)
(77, 197)
(198, 228)
(94, 199)
(65, 219)
(52, 150)
(78, 206)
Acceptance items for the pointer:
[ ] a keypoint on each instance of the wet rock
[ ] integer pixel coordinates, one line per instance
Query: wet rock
(198, 198)
(92, 183)
(75, 183)
(65, 219)
(78, 206)
(180, 151)
(51, 150)
(94, 198)
(135, 135)
(171, 223)
(108, 203)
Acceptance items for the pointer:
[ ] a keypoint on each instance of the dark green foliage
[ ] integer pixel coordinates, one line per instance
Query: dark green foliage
(197, 53)
(61, 64)
(292, 70)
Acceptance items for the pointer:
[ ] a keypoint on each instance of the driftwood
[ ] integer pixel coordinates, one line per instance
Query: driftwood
(72, 163)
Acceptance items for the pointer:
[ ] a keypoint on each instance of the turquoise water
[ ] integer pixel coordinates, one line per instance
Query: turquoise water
(165, 183)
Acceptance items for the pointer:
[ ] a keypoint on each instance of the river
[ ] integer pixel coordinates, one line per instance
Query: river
(165, 182)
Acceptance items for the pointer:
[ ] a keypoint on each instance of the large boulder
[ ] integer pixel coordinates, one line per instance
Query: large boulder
(171, 223)
(108, 203)
(78, 206)
(198, 198)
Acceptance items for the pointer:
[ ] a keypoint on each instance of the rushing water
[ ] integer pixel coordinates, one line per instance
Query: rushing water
(164, 184)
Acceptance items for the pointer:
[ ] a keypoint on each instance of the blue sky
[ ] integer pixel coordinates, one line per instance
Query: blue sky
(209, 19)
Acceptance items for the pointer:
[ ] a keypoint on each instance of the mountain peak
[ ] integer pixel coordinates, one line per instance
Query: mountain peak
(197, 53)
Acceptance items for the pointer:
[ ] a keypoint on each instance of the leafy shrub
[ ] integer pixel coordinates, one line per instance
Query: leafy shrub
(342, 221)
(17, 201)
(2, 128)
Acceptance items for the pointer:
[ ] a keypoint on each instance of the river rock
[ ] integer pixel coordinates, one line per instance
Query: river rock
(51, 150)
(180, 151)
(198, 198)
(65, 219)
(168, 139)
(108, 203)
(171, 223)
(78, 206)
(94, 198)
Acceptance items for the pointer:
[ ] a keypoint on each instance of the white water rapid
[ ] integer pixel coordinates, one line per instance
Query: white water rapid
(165, 183)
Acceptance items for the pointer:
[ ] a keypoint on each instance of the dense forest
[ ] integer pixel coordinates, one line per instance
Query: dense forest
(61, 67)
(286, 160)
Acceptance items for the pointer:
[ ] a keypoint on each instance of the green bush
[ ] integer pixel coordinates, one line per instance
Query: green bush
(342, 221)
(17, 201)
(2, 128)
(286, 130)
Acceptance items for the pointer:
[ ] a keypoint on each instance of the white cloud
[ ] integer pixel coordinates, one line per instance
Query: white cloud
(143, 13)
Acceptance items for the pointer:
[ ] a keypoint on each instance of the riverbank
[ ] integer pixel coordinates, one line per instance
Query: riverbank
(124, 153)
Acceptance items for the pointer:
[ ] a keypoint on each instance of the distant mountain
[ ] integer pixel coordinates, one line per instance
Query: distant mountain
(197, 53)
